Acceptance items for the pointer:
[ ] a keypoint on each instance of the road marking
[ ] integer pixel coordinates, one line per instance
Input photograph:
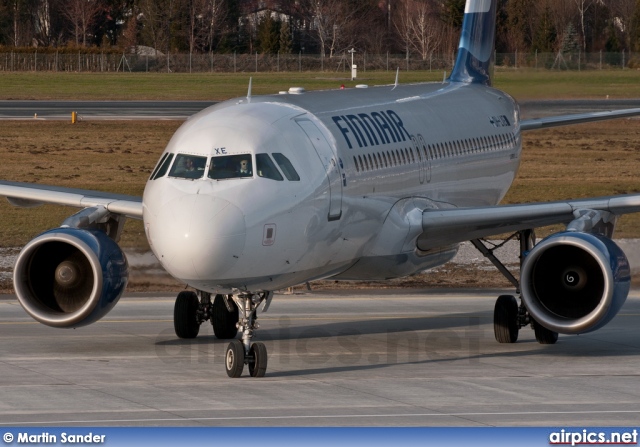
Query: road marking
(307, 417)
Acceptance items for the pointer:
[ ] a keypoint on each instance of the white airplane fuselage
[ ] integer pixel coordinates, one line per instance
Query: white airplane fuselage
(369, 162)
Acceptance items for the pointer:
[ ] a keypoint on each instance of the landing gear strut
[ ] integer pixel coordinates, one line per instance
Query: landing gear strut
(240, 353)
(509, 316)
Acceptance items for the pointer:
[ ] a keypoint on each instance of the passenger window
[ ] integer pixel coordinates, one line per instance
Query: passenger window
(188, 167)
(266, 168)
(231, 166)
(164, 168)
(287, 168)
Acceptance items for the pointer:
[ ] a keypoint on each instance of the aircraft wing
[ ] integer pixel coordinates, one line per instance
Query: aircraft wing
(31, 194)
(566, 120)
(451, 226)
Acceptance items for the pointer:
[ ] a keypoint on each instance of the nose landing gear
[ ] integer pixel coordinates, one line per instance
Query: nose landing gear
(240, 353)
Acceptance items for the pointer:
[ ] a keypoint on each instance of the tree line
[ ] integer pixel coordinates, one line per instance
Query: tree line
(421, 28)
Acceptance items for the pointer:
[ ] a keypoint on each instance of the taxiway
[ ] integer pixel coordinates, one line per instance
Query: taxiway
(349, 358)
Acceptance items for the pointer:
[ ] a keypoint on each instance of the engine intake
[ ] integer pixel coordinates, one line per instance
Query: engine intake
(574, 282)
(69, 277)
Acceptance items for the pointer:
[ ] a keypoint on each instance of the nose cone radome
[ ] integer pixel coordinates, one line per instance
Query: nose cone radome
(198, 237)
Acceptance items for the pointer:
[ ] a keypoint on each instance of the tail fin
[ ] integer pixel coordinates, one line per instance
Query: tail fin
(475, 61)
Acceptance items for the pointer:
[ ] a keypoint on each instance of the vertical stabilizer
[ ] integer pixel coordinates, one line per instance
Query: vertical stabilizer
(474, 64)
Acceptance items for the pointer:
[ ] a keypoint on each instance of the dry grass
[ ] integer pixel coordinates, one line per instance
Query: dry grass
(109, 156)
(588, 160)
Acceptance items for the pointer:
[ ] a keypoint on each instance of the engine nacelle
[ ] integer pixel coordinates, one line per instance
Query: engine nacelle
(68, 277)
(575, 282)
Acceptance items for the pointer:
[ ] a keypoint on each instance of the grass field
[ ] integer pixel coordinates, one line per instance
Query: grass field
(521, 84)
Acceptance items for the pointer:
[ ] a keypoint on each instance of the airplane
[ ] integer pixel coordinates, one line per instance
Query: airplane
(261, 193)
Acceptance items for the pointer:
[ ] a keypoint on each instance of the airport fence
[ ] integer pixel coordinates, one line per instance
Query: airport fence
(232, 63)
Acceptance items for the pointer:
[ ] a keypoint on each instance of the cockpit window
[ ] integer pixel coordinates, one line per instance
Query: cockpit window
(158, 165)
(231, 166)
(164, 167)
(287, 168)
(188, 166)
(266, 168)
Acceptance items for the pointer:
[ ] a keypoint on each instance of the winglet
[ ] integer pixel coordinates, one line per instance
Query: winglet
(397, 78)
(476, 54)
(249, 92)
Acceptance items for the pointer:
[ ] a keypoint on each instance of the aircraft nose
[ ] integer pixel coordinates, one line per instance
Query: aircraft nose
(198, 237)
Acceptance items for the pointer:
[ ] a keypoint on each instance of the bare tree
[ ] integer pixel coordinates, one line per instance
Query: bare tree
(20, 18)
(333, 22)
(622, 12)
(205, 19)
(152, 17)
(583, 5)
(563, 12)
(129, 37)
(81, 15)
(42, 18)
(419, 27)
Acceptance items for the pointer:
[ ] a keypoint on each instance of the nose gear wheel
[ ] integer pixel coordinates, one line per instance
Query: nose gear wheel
(254, 354)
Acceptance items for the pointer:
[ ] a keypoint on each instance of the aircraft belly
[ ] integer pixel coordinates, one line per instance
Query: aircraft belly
(277, 281)
(379, 268)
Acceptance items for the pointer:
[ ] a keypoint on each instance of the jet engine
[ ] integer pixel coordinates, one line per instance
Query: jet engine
(575, 282)
(69, 277)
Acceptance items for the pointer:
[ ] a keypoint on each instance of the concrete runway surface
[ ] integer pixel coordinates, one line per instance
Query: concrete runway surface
(349, 358)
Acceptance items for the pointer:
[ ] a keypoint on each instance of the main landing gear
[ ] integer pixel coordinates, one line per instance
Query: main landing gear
(509, 316)
(228, 314)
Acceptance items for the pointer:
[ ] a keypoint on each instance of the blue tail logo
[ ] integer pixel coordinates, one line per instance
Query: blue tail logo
(474, 64)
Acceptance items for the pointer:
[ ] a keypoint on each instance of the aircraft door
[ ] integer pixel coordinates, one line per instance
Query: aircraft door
(427, 160)
(331, 165)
